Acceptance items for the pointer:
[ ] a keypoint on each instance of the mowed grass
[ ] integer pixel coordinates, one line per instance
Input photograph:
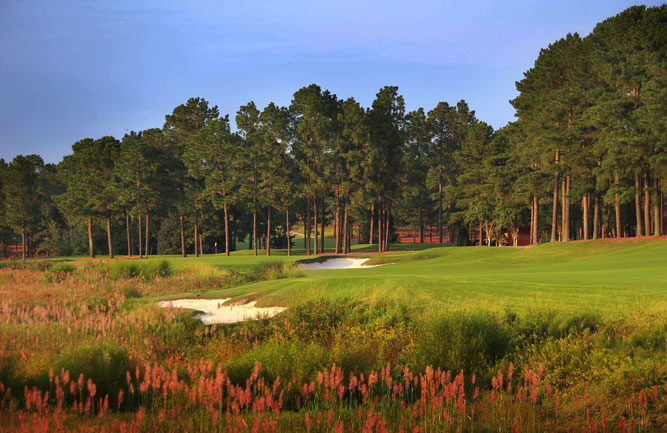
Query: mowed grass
(580, 276)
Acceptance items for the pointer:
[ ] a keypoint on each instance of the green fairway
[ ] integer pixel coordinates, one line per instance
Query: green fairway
(583, 276)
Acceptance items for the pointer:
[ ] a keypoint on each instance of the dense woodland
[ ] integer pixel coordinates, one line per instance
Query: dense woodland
(586, 158)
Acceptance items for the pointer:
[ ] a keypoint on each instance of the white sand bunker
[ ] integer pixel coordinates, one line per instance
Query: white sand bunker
(215, 312)
(338, 263)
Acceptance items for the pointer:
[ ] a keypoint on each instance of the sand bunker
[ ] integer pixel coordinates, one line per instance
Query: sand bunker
(215, 312)
(338, 263)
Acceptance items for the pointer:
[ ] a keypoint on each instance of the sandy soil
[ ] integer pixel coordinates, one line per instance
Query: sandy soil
(338, 263)
(215, 312)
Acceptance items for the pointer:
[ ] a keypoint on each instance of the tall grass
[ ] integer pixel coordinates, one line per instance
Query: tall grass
(75, 355)
(146, 270)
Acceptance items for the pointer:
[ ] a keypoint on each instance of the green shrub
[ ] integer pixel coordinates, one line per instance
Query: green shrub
(284, 359)
(357, 349)
(576, 324)
(59, 272)
(473, 343)
(105, 363)
(274, 271)
(126, 269)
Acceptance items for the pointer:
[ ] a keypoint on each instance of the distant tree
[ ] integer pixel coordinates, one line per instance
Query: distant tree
(215, 154)
(185, 121)
(418, 139)
(480, 212)
(140, 179)
(20, 185)
(386, 130)
(273, 185)
(628, 58)
(247, 122)
(89, 178)
(509, 214)
(313, 115)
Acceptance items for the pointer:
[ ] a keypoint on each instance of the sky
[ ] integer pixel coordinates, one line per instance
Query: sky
(90, 68)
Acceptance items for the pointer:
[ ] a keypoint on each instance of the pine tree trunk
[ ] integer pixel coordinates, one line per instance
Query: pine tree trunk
(268, 230)
(254, 224)
(657, 228)
(322, 226)
(532, 222)
(554, 213)
(536, 229)
(565, 222)
(23, 242)
(201, 249)
(662, 208)
(380, 225)
(183, 253)
(307, 227)
(127, 226)
(289, 240)
(224, 208)
(196, 228)
(109, 246)
(481, 239)
(585, 207)
(638, 205)
(386, 228)
(617, 208)
(440, 207)
(567, 207)
(421, 225)
(337, 224)
(370, 235)
(315, 215)
(596, 217)
(647, 206)
(141, 253)
(91, 252)
(345, 232)
(147, 233)
(563, 216)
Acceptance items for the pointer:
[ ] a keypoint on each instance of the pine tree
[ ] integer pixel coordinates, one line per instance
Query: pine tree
(247, 122)
(20, 185)
(215, 154)
(185, 121)
(386, 130)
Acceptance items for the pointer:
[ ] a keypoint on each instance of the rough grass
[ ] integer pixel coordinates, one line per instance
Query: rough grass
(590, 316)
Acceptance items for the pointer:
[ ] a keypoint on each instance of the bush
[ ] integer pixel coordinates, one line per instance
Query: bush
(59, 272)
(274, 271)
(284, 359)
(104, 363)
(462, 238)
(147, 270)
(473, 343)
(169, 235)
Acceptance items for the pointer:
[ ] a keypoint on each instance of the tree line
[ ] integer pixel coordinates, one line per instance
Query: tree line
(584, 159)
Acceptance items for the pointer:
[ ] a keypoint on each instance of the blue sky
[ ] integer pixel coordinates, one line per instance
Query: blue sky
(75, 69)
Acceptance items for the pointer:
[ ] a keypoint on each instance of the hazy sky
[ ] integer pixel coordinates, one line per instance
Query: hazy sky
(75, 69)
